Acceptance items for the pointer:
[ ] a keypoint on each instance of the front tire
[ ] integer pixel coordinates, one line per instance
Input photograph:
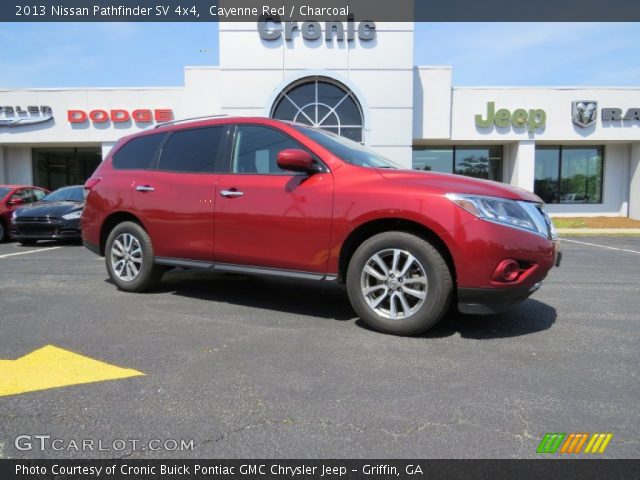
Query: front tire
(399, 283)
(129, 258)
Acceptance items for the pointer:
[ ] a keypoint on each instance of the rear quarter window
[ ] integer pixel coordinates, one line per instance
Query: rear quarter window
(138, 153)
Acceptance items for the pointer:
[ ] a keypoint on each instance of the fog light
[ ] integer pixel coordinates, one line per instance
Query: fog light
(506, 271)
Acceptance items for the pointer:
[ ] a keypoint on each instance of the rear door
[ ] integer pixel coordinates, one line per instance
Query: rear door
(267, 217)
(175, 197)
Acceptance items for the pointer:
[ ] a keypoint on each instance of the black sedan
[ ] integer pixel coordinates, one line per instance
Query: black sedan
(55, 217)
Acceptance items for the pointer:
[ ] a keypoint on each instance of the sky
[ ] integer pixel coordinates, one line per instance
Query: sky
(36, 55)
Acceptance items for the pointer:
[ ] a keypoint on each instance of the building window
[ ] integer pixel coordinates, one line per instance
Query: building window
(569, 174)
(437, 159)
(61, 166)
(321, 102)
(472, 161)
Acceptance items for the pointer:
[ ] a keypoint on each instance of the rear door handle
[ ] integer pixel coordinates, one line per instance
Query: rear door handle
(145, 188)
(231, 193)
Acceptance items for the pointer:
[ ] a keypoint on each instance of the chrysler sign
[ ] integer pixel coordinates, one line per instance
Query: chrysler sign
(17, 116)
(272, 28)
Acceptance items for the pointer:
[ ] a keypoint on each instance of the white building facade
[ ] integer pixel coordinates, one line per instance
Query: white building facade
(578, 148)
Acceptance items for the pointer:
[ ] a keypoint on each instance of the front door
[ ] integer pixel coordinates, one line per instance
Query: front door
(267, 217)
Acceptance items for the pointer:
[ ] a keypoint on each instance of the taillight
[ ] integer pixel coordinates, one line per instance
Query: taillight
(89, 184)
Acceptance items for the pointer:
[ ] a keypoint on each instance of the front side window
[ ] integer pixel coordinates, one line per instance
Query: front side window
(193, 150)
(569, 174)
(39, 194)
(138, 153)
(23, 194)
(255, 150)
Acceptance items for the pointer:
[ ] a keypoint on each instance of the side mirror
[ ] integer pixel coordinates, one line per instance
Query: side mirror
(297, 161)
(16, 201)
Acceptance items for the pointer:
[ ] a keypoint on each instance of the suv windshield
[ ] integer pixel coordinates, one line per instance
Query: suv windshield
(348, 150)
(66, 194)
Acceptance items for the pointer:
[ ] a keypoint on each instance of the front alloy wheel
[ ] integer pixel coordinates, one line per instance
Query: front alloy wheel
(399, 283)
(394, 283)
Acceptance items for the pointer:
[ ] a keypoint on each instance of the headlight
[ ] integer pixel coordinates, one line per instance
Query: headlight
(513, 213)
(73, 215)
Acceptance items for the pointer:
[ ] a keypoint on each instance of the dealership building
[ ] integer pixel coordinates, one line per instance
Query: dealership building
(577, 148)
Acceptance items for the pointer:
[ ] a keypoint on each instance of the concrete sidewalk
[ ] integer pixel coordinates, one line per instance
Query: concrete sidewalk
(598, 231)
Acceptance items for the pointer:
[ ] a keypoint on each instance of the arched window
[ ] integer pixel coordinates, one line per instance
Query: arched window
(321, 102)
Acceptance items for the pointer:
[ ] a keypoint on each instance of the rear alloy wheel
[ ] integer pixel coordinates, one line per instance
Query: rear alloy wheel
(129, 258)
(399, 283)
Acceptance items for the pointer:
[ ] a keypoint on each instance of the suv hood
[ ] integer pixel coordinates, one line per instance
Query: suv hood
(450, 183)
(54, 209)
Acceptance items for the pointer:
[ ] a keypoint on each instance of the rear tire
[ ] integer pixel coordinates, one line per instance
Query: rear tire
(129, 258)
(399, 283)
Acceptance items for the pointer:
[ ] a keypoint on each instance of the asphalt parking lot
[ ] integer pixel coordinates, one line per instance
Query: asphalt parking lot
(259, 367)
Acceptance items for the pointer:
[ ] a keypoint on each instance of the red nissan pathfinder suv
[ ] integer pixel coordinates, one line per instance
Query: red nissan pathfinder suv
(256, 195)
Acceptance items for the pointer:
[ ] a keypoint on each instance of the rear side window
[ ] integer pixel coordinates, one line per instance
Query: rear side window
(193, 150)
(138, 153)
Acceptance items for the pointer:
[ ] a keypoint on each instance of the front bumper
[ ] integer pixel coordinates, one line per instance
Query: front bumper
(486, 301)
(480, 247)
(46, 229)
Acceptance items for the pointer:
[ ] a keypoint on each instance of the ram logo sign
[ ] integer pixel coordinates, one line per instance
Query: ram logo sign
(584, 112)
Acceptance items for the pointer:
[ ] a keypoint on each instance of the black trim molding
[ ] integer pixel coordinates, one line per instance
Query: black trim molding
(253, 270)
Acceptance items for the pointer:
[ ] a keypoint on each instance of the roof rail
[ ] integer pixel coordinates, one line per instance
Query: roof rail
(172, 122)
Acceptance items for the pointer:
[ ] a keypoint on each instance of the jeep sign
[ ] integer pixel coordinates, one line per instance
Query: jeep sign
(532, 119)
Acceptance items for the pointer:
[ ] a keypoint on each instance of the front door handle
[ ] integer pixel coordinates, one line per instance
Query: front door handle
(145, 188)
(231, 193)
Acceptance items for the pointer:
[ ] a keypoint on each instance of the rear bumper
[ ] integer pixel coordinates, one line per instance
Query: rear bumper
(484, 301)
(94, 248)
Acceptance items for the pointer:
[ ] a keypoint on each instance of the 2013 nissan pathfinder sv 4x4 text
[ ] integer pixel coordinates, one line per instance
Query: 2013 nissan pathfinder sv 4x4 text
(256, 195)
